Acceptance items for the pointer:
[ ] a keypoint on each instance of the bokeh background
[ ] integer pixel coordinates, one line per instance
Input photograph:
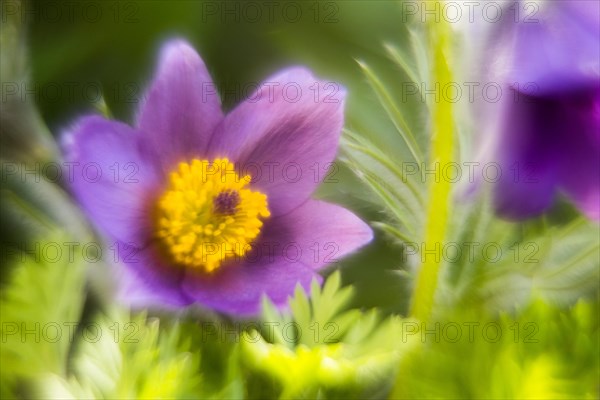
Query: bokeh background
(72, 58)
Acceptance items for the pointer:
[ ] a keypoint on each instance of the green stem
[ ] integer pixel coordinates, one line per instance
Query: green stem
(442, 152)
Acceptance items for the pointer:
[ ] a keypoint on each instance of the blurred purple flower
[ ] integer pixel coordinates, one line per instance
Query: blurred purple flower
(187, 223)
(550, 131)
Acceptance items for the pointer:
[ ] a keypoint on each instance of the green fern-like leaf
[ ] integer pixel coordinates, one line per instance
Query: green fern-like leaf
(543, 351)
(338, 352)
(40, 309)
(397, 184)
(123, 357)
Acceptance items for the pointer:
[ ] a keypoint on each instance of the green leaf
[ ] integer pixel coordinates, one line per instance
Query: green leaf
(399, 191)
(393, 112)
(543, 351)
(125, 357)
(40, 308)
(561, 265)
(341, 352)
(402, 61)
(301, 309)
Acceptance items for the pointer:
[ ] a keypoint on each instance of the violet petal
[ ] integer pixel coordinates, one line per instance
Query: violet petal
(181, 108)
(111, 175)
(147, 278)
(285, 135)
(238, 289)
(317, 233)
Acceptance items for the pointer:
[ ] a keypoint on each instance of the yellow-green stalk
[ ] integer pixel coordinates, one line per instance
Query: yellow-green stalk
(442, 152)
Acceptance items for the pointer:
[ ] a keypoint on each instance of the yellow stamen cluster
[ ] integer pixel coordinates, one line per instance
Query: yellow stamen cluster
(208, 215)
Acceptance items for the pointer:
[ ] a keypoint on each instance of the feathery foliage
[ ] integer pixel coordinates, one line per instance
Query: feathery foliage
(322, 349)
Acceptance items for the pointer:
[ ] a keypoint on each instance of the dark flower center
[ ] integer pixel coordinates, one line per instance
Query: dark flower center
(226, 202)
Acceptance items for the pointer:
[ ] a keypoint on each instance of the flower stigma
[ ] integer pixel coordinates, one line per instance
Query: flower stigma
(208, 214)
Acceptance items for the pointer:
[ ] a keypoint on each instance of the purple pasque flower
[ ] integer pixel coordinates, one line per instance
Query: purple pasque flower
(549, 137)
(215, 209)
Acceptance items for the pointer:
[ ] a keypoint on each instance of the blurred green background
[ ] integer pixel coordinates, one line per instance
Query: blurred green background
(77, 50)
